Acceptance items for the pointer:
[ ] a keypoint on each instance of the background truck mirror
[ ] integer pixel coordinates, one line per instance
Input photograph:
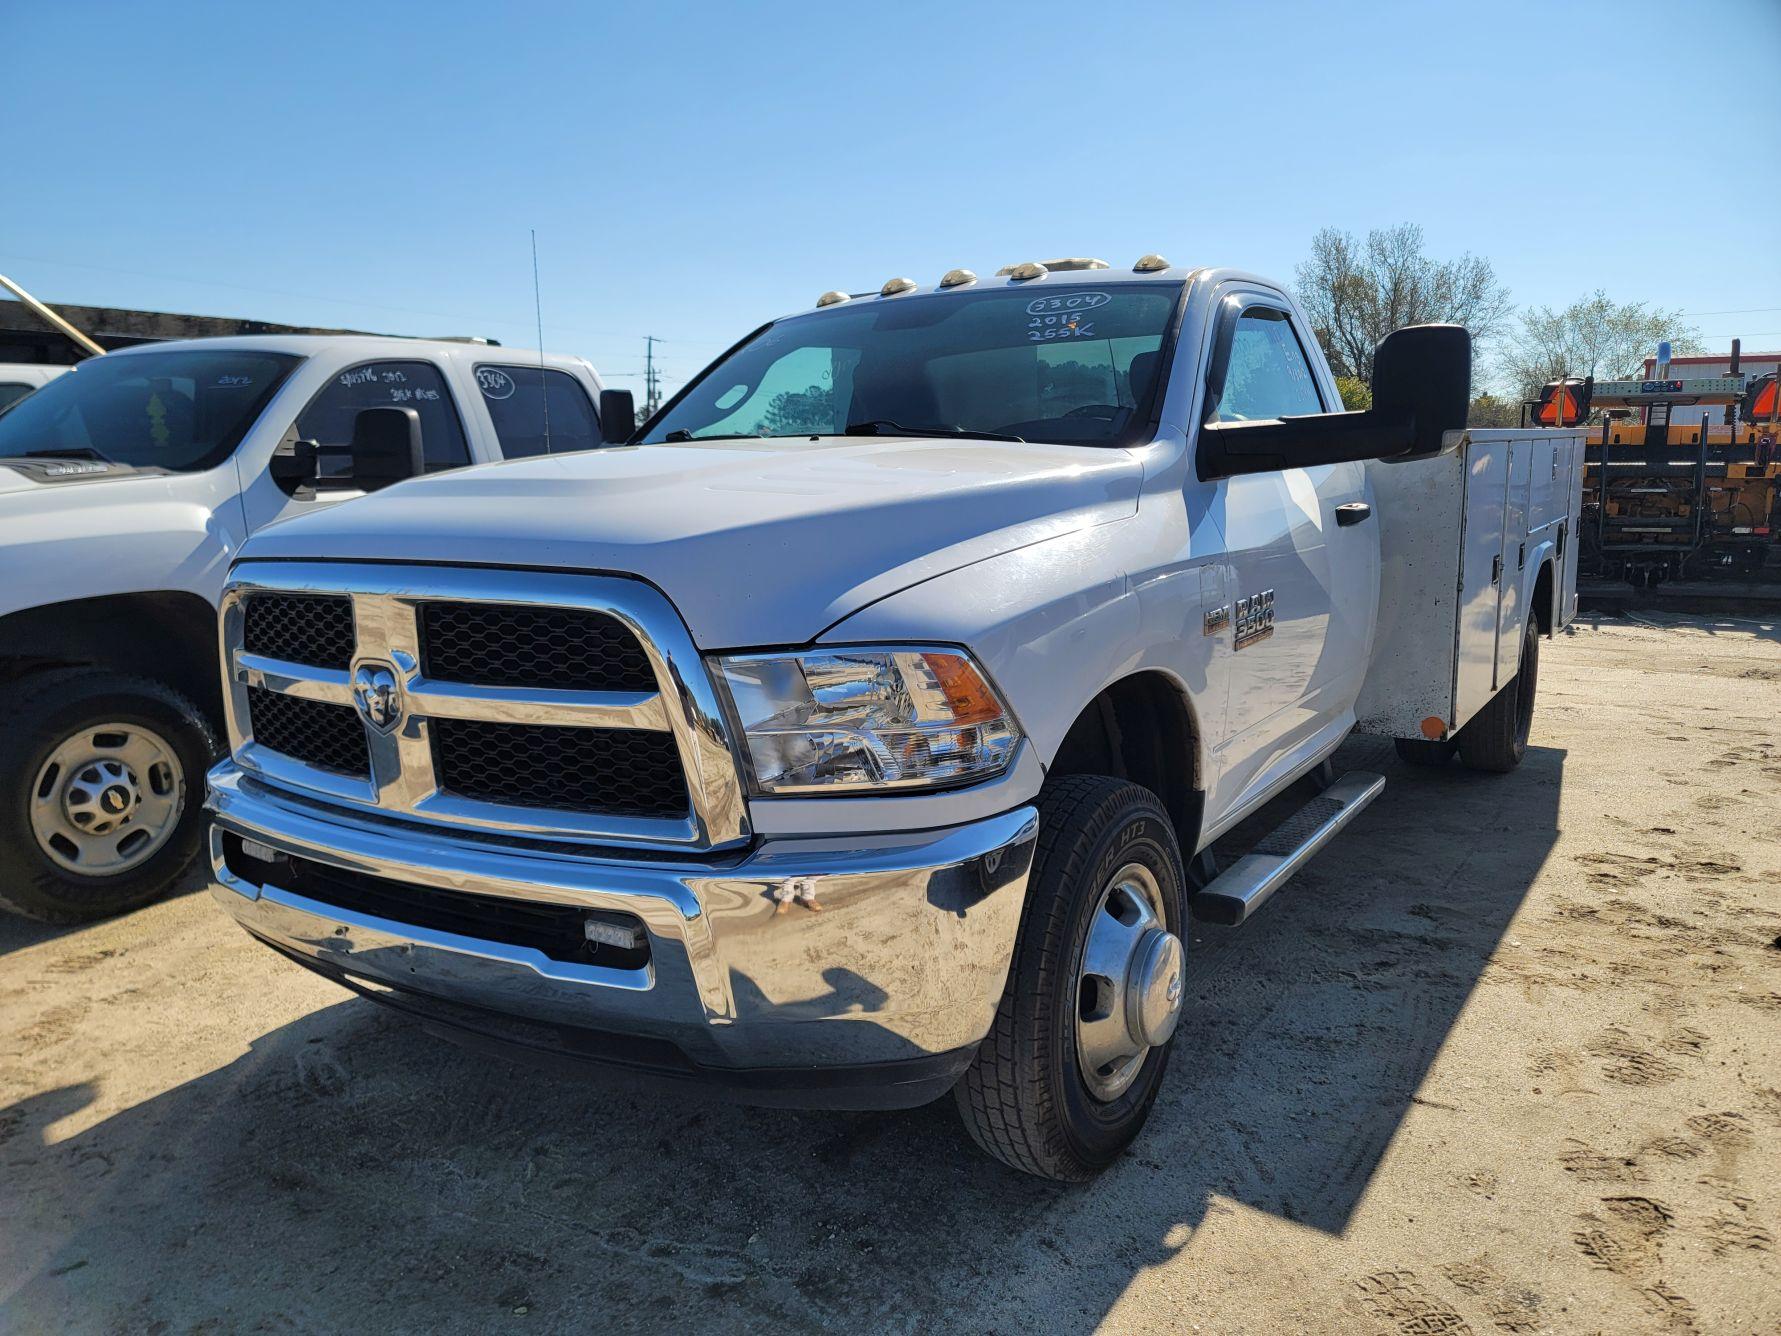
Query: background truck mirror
(1422, 382)
(386, 447)
(293, 462)
(618, 416)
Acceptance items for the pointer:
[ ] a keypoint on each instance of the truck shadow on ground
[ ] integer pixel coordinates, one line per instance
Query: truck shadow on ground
(350, 1171)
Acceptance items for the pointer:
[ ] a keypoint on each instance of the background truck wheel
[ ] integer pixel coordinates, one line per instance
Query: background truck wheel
(1420, 751)
(1496, 737)
(103, 783)
(1069, 1071)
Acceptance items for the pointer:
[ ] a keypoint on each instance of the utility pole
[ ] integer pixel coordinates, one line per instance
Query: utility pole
(652, 394)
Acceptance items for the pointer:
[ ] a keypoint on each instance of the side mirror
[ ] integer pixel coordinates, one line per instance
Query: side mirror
(1422, 379)
(386, 448)
(1422, 384)
(618, 416)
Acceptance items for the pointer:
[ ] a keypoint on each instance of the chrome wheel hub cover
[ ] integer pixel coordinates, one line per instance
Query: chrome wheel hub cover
(1129, 983)
(106, 798)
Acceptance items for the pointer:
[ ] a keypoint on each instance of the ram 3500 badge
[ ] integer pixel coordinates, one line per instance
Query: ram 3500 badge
(863, 734)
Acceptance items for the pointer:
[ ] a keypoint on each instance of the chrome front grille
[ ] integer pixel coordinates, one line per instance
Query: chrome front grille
(557, 706)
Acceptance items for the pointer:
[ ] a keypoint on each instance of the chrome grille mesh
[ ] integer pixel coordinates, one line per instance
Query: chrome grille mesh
(494, 644)
(624, 770)
(300, 628)
(312, 731)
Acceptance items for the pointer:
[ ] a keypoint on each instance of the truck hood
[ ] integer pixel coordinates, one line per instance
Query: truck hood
(84, 535)
(757, 543)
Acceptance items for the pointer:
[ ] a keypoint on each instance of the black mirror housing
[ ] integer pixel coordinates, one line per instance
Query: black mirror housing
(386, 447)
(1422, 384)
(1422, 380)
(618, 416)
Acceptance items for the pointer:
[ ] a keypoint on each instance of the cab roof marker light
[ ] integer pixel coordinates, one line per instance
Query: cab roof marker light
(896, 286)
(832, 297)
(957, 278)
(1069, 263)
(1021, 273)
(1149, 264)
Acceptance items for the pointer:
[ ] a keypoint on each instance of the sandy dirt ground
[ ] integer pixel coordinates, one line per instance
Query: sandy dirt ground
(1507, 1057)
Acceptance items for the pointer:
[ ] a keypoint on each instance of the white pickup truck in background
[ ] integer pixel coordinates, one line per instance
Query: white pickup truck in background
(865, 732)
(17, 379)
(126, 487)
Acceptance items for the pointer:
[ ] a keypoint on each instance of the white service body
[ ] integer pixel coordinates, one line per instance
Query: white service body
(1459, 535)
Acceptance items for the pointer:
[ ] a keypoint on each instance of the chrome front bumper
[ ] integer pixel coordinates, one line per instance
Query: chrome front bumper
(794, 957)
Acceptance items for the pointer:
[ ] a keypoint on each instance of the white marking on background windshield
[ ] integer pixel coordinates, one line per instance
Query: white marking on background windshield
(1067, 301)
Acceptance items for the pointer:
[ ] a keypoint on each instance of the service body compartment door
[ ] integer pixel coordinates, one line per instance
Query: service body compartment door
(1481, 575)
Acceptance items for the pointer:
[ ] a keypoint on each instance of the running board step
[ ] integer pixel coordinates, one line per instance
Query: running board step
(1242, 888)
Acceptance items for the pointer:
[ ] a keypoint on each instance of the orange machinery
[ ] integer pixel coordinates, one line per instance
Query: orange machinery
(1665, 501)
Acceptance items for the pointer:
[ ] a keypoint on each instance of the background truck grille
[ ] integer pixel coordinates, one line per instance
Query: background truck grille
(499, 644)
(315, 629)
(621, 771)
(311, 731)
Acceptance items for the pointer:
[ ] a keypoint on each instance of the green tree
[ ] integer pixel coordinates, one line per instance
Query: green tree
(1356, 292)
(1487, 410)
(1593, 336)
(800, 412)
(1357, 395)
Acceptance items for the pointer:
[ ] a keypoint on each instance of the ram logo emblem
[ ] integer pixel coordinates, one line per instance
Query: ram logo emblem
(378, 695)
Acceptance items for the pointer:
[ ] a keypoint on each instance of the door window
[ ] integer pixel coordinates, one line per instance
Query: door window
(1268, 375)
(328, 421)
(537, 411)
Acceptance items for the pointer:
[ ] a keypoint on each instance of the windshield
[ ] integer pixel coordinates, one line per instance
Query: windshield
(1073, 364)
(183, 410)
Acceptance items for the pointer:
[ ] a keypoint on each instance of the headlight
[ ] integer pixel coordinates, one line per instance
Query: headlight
(855, 720)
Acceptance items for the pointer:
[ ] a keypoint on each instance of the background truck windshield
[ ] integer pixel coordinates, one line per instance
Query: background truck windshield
(182, 410)
(1068, 363)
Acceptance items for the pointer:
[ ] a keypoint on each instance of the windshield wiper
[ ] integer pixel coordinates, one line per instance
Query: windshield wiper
(71, 452)
(885, 427)
(680, 435)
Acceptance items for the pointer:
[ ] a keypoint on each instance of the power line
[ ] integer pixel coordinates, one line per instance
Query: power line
(1746, 310)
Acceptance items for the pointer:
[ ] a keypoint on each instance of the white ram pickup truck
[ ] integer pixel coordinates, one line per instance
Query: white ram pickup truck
(126, 487)
(862, 731)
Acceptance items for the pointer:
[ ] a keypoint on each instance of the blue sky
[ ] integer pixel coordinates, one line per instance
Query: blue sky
(693, 169)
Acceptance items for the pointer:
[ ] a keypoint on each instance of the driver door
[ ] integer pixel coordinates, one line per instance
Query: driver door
(1301, 587)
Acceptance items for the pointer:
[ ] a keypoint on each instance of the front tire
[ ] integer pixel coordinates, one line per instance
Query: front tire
(101, 793)
(1495, 739)
(1067, 1076)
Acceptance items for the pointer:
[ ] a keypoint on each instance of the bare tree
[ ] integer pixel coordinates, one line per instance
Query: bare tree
(1358, 292)
(1591, 337)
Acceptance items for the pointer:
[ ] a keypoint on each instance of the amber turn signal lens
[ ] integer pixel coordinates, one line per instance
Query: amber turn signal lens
(966, 692)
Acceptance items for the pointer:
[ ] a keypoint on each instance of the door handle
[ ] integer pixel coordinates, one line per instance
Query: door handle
(1352, 512)
(1496, 569)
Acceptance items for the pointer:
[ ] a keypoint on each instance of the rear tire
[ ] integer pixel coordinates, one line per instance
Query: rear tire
(1026, 1097)
(1420, 751)
(146, 748)
(1496, 738)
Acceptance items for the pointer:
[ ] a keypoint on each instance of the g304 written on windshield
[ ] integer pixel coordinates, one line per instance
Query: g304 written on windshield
(1063, 316)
